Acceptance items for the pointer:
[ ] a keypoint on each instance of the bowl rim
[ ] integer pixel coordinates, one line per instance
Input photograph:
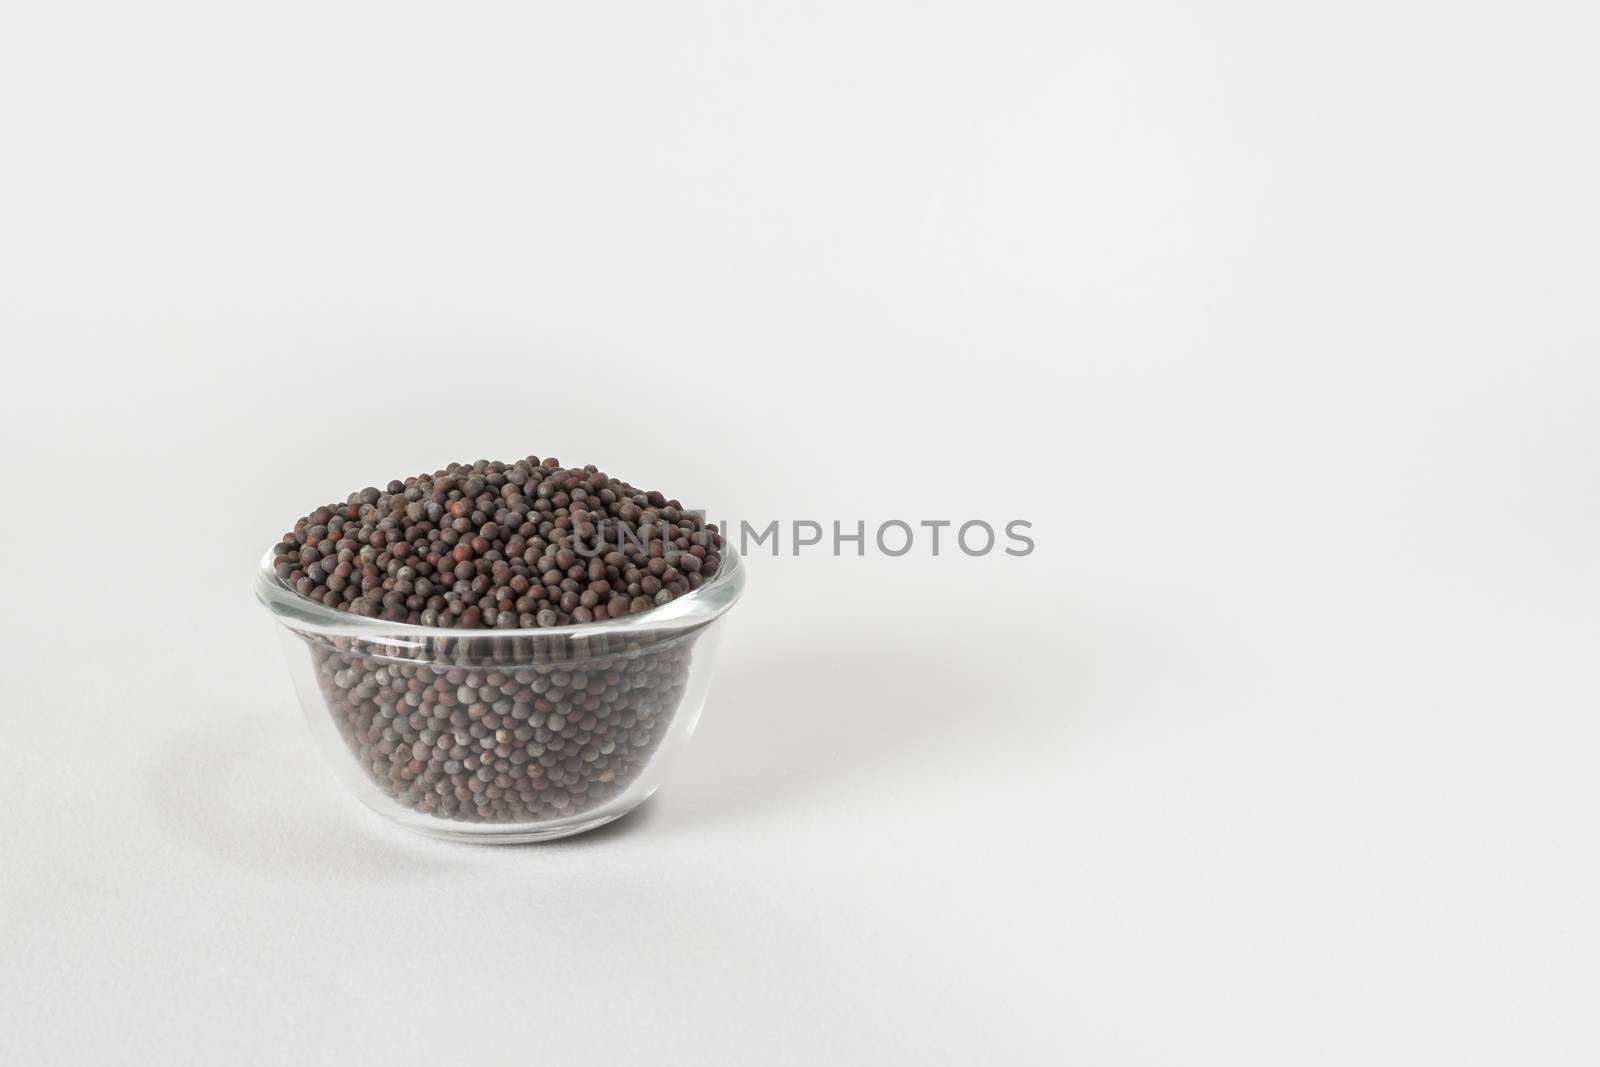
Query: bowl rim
(696, 608)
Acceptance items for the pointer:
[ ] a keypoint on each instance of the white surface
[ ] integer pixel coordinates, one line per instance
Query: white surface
(1279, 325)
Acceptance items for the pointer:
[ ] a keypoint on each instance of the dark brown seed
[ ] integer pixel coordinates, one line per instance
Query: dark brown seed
(501, 540)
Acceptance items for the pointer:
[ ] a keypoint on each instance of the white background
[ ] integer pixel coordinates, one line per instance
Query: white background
(1278, 321)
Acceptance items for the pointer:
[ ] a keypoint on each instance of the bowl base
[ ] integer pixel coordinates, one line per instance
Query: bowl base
(521, 837)
(482, 834)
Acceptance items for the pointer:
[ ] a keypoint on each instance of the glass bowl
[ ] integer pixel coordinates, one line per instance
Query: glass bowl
(503, 736)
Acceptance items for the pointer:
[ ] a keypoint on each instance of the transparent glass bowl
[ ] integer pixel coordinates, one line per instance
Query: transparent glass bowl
(503, 736)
